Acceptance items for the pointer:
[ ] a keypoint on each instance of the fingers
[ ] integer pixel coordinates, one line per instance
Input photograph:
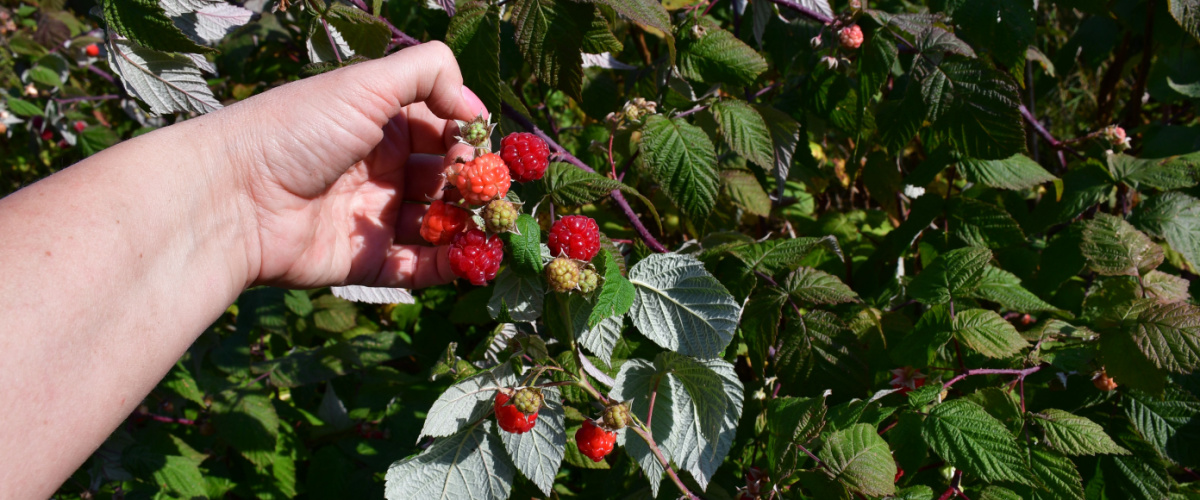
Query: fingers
(414, 266)
(408, 224)
(425, 73)
(424, 178)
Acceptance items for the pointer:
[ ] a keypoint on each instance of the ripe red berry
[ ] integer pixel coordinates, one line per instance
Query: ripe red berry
(526, 156)
(80, 125)
(575, 236)
(512, 419)
(481, 180)
(92, 50)
(594, 442)
(47, 135)
(476, 256)
(851, 37)
(442, 222)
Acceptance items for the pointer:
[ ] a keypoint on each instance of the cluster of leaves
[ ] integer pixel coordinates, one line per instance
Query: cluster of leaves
(939, 201)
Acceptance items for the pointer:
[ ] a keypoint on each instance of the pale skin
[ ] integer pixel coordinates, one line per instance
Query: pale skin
(114, 266)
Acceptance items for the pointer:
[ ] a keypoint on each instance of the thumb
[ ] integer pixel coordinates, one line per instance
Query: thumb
(426, 73)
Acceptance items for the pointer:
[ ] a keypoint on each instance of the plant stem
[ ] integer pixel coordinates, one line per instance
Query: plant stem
(645, 435)
(993, 371)
(569, 158)
(104, 97)
(399, 38)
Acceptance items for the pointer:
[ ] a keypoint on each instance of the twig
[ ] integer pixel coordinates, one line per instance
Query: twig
(663, 460)
(1050, 139)
(993, 371)
(569, 158)
(399, 38)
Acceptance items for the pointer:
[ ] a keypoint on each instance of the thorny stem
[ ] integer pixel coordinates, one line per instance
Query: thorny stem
(645, 435)
(1054, 143)
(993, 371)
(569, 158)
(329, 33)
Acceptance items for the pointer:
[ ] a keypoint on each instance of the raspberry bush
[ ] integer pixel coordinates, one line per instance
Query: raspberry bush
(794, 248)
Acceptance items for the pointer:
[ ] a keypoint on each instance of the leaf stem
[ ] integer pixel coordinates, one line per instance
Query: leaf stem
(645, 435)
(569, 158)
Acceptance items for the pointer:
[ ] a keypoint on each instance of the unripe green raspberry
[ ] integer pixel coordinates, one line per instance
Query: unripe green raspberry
(528, 400)
(500, 216)
(475, 133)
(615, 417)
(562, 274)
(589, 279)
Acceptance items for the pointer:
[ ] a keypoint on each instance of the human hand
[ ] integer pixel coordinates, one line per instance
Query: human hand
(337, 170)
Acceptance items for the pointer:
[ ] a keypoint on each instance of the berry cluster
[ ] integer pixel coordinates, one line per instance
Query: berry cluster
(574, 241)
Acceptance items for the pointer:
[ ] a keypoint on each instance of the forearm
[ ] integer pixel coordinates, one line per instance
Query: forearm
(145, 244)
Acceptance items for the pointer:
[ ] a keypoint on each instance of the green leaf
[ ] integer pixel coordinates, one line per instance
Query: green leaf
(1004, 288)
(1169, 336)
(45, 76)
(1187, 14)
(791, 421)
(1141, 476)
(683, 161)
(811, 286)
(334, 314)
(470, 464)
(1124, 362)
(1174, 172)
(171, 472)
(519, 296)
(1113, 247)
(366, 34)
(974, 109)
(703, 387)
(599, 37)
(1057, 474)
(572, 186)
(616, 294)
(987, 333)
(648, 12)
(772, 257)
(1176, 218)
(681, 307)
(96, 138)
(953, 274)
(1014, 172)
(818, 340)
(998, 493)
(861, 460)
(932, 331)
(465, 402)
(982, 224)
(967, 437)
(745, 131)
(1003, 27)
(248, 422)
(1076, 435)
(525, 246)
(474, 37)
(1170, 423)
(717, 56)
(760, 324)
(785, 134)
(146, 24)
(21, 107)
(744, 190)
(1167, 288)
(550, 37)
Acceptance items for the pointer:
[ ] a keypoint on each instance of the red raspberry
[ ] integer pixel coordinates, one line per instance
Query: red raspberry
(442, 222)
(476, 256)
(481, 180)
(851, 37)
(512, 419)
(526, 156)
(576, 236)
(47, 135)
(594, 442)
(80, 125)
(92, 50)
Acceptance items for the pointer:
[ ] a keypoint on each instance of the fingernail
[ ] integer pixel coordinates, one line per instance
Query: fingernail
(473, 101)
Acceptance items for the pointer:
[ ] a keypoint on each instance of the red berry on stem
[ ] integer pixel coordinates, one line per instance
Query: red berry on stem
(47, 135)
(594, 442)
(851, 37)
(80, 125)
(481, 180)
(92, 50)
(442, 222)
(526, 156)
(512, 419)
(476, 256)
(576, 236)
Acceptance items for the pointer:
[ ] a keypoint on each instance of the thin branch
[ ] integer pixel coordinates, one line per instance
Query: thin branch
(1049, 138)
(569, 158)
(399, 38)
(993, 371)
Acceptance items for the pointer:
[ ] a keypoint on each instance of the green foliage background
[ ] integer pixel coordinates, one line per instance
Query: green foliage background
(945, 198)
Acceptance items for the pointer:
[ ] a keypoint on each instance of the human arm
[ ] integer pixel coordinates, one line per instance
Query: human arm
(115, 265)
